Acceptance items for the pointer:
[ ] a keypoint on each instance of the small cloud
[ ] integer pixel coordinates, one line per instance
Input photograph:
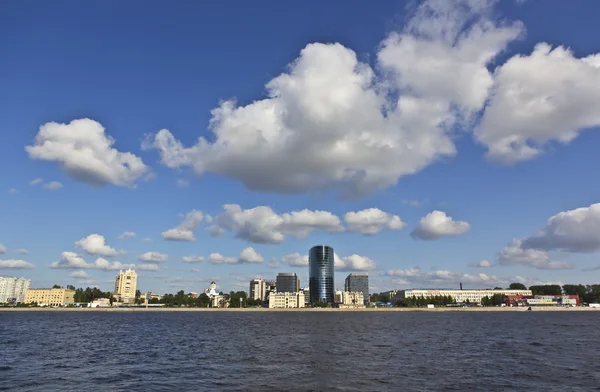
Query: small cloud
(483, 264)
(153, 257)
(15, 264)
(12, 191)
(182, 183)
(147, 239)
(80, 275)
(53, 186)
(2, 249)
(35, 181)
(126, 235)
(21, 251)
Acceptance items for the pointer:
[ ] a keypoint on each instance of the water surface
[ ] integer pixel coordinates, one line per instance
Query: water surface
(299, 351)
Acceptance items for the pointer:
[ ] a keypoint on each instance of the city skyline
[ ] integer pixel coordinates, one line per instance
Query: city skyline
(428, 144)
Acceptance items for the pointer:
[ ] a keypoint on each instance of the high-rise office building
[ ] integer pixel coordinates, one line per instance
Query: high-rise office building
(126, 286)
(358, 282)
(288, 283)
(320, 271)
(13, 290)
(257, 289)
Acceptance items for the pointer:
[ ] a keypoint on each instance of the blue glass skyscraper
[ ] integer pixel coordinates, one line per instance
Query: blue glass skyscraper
(320, 273)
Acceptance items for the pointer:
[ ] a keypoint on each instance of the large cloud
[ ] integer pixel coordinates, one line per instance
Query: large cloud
(95, 244)
(331, 123)
(437, 224)
(185, 230)
(349, 263)
(515, 254)
(576, 230)
(15, 264)
(247, 256)
(548, 95)
(371, 221)
(86, 153)
(71, 260)
(263, 225)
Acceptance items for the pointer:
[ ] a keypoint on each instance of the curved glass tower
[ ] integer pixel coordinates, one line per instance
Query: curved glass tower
(320, 273)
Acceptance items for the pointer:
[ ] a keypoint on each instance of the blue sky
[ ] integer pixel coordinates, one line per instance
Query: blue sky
(392, 112)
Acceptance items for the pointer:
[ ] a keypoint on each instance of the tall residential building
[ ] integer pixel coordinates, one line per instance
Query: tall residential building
(126, 286)
(320, 271)
(270, 287)
(258, 289)
(358, 282)
(13, 290)
(50, 297)
(288, 283)
(286, 300)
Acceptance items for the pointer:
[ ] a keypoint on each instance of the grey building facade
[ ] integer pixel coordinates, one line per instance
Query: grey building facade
(288, 283)
(320, 272)
(358, 281)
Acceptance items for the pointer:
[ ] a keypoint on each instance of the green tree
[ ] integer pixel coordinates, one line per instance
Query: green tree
(56, 286)
(547, 289)
(517, 286)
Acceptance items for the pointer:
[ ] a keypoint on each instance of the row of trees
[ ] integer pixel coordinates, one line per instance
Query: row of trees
(438, 300)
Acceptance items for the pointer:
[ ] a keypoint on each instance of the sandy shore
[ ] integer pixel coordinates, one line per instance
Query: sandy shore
(521, 309)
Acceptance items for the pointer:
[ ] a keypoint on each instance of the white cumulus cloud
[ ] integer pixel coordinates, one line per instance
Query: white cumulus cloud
(185, 230)
(86, 153)
(126, 235)
(247, 256)
(576, 231)
(193, 259)
(53, 186)
(550, 95)
(332, 123)
(371, 221)
(95, 244)
(484, 264)
(354, 263)
(80, 274)
(15, 264)
(515, 254)
(153, 257)
(263, 225)
(71, 260)
(437, 224)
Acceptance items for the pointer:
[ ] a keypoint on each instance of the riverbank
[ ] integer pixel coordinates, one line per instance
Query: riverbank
(314, 310)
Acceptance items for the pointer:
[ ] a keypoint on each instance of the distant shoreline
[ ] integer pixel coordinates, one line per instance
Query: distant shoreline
(314, 310)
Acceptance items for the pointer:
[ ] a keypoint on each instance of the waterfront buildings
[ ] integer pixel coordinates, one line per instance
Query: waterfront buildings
(126, 286)
(50, 297)
(472, 296)
(288, 283)
(350, 299)
(257, 289)
(13, 290)
(100, 303)
(217, 300)
(270, 287)
(286, 300)
(320, 272)
(358, 282)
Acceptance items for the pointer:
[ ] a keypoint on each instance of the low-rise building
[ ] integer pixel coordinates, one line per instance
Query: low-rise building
(99, 303)
(50, 297)
(287, 300)
(472, 296)
(13, 290)
(352, 299)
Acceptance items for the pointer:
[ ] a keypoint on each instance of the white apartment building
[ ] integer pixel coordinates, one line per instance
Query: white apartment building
(258, 289)
(473, 296)
(13, 290)
(126, 286)
(286, 300)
